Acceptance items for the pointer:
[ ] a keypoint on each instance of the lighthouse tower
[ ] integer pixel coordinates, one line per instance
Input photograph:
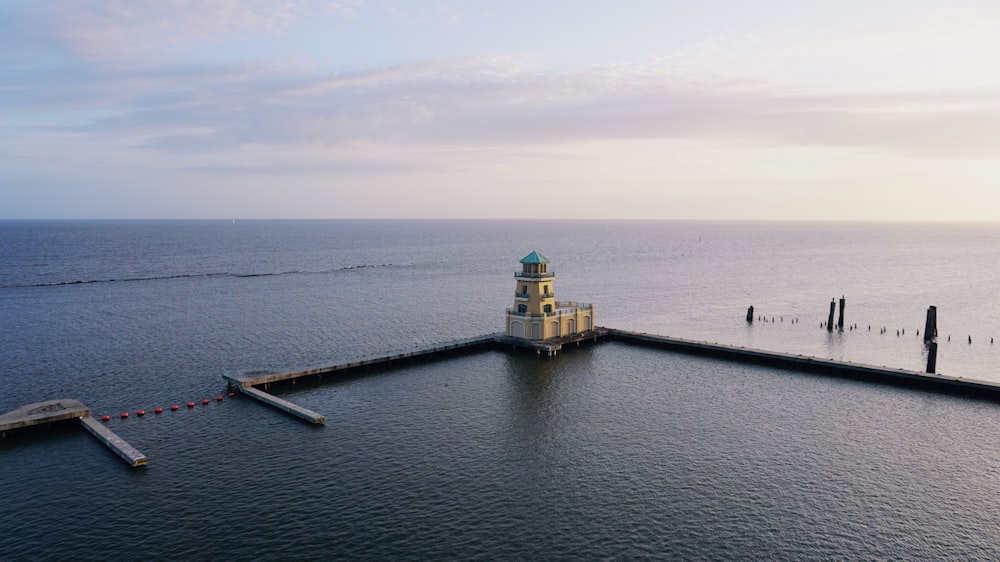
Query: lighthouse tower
(536, 314)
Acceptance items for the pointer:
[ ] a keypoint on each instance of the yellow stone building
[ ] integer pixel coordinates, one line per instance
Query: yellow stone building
(536, 314)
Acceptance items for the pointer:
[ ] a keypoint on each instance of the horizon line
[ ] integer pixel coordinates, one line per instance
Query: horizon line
(500, 219)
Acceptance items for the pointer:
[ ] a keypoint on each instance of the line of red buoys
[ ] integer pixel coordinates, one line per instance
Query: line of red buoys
(173, 408)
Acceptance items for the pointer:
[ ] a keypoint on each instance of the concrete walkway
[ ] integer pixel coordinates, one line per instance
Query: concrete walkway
(51, 411)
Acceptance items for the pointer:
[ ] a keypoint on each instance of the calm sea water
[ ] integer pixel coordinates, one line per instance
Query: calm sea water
(607, 451)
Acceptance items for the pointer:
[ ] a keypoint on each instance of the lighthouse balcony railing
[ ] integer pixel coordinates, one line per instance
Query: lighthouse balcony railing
(574, 306)
(561, 310)
(513, 312)
(534, 275)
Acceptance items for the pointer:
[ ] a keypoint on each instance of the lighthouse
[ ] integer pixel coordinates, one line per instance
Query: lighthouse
(536, 314)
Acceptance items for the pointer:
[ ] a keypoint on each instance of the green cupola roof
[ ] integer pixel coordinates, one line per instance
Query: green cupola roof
(534, 257)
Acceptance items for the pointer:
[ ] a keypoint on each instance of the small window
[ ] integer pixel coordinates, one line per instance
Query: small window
(548, 308)
(546, 290)
(522, 308)
(524, 289)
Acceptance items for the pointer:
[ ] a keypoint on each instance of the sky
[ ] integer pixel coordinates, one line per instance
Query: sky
(659, 109)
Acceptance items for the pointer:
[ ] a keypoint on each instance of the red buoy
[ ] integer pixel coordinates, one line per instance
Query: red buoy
(231, 394)
(218, 398)
(190, 404)
(105, 418)
(141, 412)
(174, 407)
(204, 401)
(158, 410)
(124, 414)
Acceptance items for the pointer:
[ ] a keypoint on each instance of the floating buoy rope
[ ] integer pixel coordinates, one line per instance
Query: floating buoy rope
(173, 408)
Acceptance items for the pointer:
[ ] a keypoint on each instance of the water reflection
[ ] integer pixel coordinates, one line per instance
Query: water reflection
(834, 344)
(540, 390)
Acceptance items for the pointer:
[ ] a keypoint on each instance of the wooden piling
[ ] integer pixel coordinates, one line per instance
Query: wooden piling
(840, 321)
(750, 315)
(932, 356)
(829, 322)
(930, 326)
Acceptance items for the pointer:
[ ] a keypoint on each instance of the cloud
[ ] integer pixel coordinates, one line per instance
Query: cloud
(122, 29)
(108, 96)
(309, 168)
(500, 102)
(113, 95)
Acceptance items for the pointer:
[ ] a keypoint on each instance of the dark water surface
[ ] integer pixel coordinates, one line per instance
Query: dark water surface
(605, 451)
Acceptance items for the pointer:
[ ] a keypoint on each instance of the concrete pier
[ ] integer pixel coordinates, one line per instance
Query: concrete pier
(52, 411)
(65, 409)
(805, 363)
(283, 405)
(246, 380)
(42, 413)
(247, 383)
(127, 452)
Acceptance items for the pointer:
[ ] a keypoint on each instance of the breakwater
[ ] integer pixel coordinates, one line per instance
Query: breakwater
(54, 411)
(254, 384)
(811, 364)
(249, 383)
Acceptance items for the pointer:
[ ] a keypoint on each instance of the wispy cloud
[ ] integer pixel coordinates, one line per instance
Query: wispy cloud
(309, 168)
(121, 29)
(299, 120)
(496, 102)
